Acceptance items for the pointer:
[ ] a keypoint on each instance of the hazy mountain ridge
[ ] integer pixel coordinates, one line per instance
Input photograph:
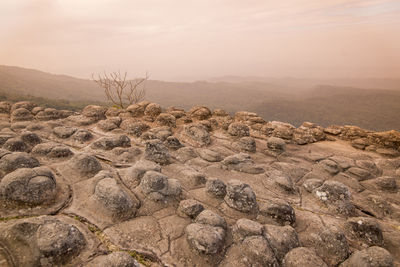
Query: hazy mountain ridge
(366, 83)
(273, 99)
(371, 110)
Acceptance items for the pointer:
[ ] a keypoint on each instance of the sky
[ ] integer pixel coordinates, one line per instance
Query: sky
(180, 40)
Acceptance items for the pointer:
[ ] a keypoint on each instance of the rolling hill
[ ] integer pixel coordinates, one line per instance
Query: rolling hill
(288, 99)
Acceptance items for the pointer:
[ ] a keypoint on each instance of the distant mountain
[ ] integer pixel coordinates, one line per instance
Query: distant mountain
(233, 96)
(366, 83)
(288, 99)
(38, 83)
(326, 105)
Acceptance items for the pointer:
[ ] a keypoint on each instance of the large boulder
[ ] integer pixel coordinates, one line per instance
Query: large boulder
(176, 112)
(29, 138)
(366, 229)
(173, 143)
(23, 104)
(108, 143)
(13, 161)
(200, 112)
(329, 166)
(331, 245)
(165, 119)
(386, 183)
(308, 133)
(278, 129)
(257, 252)
(114, 199)
(152, 110)
(36, 110)
(205, 238)
(109, 124)
(302, 257)
(52, 150)
(158, 186)
(95, 112)
(245, 116)
(156, 151)
(282, 239)
(277, 211)
(161, 133)
(240, 196)
(137, 110)
(5, 107)
(84, 164)
(21, 114)
(238, 129)
(245, 144)
(211, 218)
(209, 155)
(64, 131)
(29, 186)
(242, 162)
(276, 144)
(134, 127)
(115, 259)
(134, 174)
(245, 227)
(49, 114)
(82, 136)
(207, 235)
(190, 208)
(219, 112)
(335, 194)
(16, 144)
(5, 136)
(370, 257)
(349, 132)
(198, 133)
(216, 187)
(59, 242)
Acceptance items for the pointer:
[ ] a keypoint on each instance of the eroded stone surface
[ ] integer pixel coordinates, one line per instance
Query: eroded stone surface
(46, 241)
(243, 163)
(195, 188)
(240, 196)
(114, 199)
(115, 259)
(11, 162)
(302, 257)
(59, 242)
(30, 186)
(370, 257)
(156, 151)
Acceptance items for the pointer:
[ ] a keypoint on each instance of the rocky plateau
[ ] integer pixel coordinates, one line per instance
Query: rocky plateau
(153, 186)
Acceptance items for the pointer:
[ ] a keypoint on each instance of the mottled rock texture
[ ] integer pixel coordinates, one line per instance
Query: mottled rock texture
(154, 186)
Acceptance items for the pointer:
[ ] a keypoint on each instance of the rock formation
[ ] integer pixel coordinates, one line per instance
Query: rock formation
(149, 186)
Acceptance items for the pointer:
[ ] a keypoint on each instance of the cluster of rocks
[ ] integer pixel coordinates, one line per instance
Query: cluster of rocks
(148, 186)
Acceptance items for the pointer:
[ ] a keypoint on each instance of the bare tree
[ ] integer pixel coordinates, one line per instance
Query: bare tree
(119, 91)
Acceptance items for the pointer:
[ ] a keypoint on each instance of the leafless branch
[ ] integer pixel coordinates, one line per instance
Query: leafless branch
(120, 91)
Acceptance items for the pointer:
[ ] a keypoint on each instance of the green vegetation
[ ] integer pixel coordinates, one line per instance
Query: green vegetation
(6, 219)
(139, 257)
(105, 240)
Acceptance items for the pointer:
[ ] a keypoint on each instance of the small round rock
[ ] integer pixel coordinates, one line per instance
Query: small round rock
(302, 257)
(216, 187)
(370, 257)
(190, 208)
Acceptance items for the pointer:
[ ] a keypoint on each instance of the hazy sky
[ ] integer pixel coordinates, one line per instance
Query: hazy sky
(197, 39)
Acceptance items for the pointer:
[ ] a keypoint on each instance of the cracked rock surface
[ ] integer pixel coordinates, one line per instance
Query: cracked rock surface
(149, 186)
